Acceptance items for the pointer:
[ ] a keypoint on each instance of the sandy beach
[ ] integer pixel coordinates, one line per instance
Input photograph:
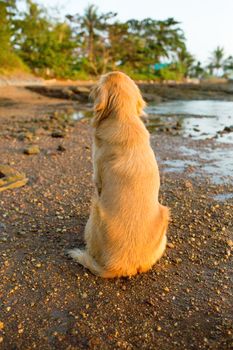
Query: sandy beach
(50, 302)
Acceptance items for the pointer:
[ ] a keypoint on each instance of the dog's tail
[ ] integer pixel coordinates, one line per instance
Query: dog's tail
(86, 260)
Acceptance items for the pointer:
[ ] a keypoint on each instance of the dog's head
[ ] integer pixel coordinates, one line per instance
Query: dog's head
(116, 94)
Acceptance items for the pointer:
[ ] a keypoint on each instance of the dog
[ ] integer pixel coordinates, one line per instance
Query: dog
(126, 231)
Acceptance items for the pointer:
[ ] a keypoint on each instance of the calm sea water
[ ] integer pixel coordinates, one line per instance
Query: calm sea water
(198, 119)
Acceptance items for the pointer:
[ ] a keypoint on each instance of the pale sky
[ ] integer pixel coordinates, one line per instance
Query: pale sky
(206, 23)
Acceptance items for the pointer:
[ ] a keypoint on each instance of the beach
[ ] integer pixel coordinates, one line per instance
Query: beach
(50, 302)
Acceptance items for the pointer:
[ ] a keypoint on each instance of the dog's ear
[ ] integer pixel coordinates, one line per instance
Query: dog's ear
(100, 96)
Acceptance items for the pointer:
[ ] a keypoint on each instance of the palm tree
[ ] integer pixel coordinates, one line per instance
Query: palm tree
(186, 60)
(217, 61)
(90, 26)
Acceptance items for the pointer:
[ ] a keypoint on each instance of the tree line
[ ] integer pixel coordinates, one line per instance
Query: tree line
(86, 45)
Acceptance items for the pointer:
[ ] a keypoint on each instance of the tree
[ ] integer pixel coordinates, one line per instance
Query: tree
(93, 43)
(8, 58)
(138, 45)
(92, 28)
(217, 61)
(198, 71)
(46, 46)
(7, 11)
(185, 61)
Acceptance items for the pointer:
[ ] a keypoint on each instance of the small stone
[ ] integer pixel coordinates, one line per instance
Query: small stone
(188, 185)
(229, 242)
(25, 136)
(166, 289)
(158, 328)
(1, 339)
(21, 233)
(31, 150)
(170, 245)
(58, 134)
(2, 227)
(1, 325)
(84, 295)
(3, 238)
(61, 148)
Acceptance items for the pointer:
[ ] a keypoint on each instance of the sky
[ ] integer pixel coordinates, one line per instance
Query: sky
(206, 23)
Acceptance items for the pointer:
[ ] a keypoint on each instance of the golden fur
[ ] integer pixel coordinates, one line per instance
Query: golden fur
(126, 231)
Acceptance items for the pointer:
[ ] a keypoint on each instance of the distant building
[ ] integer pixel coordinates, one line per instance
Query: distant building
(158, 66)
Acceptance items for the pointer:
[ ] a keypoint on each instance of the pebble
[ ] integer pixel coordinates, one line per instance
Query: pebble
(61, 148)
(25, 135)
(170, 245)
(21, 233)
(84, 295)
(3, 238)
(188, 185)
(1, 325)
(2, 227)
(58, 134)
(33, 149)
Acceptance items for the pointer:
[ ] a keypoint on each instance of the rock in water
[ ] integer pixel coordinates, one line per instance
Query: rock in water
(10, 178)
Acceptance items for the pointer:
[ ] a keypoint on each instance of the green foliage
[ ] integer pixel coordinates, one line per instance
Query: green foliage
(219, 65)
(216, 61)
(84, 46)
(175, 71)
(9, 61)
(7, 11)
(91, 32)
(45, 46)
(228, 64)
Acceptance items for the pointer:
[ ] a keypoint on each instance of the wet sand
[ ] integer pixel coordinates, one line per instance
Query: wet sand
(50, 302)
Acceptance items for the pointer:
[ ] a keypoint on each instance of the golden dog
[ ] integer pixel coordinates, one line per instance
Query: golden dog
(126, 231)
